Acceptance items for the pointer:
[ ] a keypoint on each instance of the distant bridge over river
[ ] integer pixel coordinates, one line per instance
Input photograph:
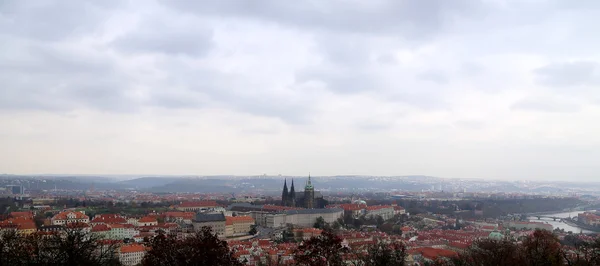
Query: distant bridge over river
(539, 217)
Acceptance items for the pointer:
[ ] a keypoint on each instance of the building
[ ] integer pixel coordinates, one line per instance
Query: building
(302, 217)
(196, 206)
(588, 218)
(309, 198)
(108, 219)
(122, 231)
(384, 211)
(15, 189)
(67, 217)
(131, 254)
(306, 233)
(529, 225)
(147, 221)
(216, 221)
(238, 225)
(22, 224)
(179, 217)
(102, 231)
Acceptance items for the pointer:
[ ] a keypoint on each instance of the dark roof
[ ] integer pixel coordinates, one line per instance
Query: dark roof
(314, 211)
(300, 194)
(243, 205)
(213, 217)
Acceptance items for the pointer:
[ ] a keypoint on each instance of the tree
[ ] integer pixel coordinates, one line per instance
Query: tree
(379, 220)
(204, 248)
(586, 253)
(253, 230)
(383, 254)
(490, 252)
(323, 250)
(72, 246)
(320, 223)
(336, 225)
(542, 248)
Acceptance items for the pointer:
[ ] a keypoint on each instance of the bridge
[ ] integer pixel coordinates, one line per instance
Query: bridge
(549, 217)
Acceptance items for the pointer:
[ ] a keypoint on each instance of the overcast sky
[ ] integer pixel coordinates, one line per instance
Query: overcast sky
(499, 89)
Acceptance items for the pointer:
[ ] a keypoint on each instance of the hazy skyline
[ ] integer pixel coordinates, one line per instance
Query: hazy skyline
(498, 89)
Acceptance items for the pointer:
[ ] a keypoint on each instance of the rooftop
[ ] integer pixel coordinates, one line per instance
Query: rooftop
(213, 217)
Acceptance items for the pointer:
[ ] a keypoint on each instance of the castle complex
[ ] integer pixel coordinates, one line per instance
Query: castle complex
(306, 199)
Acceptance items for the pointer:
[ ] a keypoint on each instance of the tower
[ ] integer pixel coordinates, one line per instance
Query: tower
(309, 194)
(284, 194)
(292, 195)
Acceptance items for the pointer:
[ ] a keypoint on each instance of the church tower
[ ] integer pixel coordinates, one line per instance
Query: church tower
(292, 195)
(309, 194)
(284, 194)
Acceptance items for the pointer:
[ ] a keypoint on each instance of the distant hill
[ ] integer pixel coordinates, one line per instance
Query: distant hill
(146, 182)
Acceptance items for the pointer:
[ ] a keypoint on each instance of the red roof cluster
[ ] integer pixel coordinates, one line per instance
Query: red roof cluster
(132, 248)
(147, 219)
(183, 215)
(230, 220)
(433, 253)
(109, 219)
(63, 215)
(198, 204)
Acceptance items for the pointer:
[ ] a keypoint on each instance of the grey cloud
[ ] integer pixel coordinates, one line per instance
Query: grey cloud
(545, 105)
(344, 49)
(193, 87)
(421, 100)
(386, 59)
(54, 19)
(568, 74)
(408, 18)
(471, 69)
(156, 37)
(435, 76)
(57, 79)
(342, 81)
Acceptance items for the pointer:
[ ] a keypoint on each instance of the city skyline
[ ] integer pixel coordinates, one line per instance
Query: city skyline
(455, 89)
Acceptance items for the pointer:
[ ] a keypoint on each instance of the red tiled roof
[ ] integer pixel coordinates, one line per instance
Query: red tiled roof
(109, 219)
(184, 215)
(63, 215)
(26, 214)
(132, 248)
(100, 228)
(196, 204)
(434, 253)
(378, 207)
(147, 219)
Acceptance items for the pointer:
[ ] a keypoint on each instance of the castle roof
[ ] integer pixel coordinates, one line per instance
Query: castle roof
(313, 211)
(213, 217)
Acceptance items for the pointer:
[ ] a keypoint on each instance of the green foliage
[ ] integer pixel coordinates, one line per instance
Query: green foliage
(324, 250)
(204, 248)
(320, 223)
(253, 230)
(72, 246)
(383, 254)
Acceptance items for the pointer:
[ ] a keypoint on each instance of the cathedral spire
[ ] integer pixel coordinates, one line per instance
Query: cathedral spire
(292, 195)
(284, 194)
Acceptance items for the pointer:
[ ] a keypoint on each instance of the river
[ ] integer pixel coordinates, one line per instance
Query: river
(558, 224)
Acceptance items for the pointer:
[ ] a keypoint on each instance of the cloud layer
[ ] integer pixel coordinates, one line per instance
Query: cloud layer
(493, 89)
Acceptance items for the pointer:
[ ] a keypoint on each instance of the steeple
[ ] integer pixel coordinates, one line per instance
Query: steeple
(284, 194)
(308, 183)
(309, 194)
(292, 195)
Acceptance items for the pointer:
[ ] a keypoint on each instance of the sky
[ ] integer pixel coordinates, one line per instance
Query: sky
(496, 89)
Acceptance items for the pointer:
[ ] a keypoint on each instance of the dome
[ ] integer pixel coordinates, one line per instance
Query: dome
(360, 202)
(496, 235)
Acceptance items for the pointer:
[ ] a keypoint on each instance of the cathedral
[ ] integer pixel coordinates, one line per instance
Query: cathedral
(307, 199)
